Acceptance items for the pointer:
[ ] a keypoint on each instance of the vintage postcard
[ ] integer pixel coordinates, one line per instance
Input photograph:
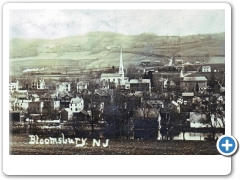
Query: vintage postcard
(110, 79)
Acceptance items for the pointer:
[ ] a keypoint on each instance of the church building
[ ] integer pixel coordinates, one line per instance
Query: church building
(117, 78)
(132, 85)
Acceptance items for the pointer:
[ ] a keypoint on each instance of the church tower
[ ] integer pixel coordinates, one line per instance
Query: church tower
(181, 75)
(121, 71)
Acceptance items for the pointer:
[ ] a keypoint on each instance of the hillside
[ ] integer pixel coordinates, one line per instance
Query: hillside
(101, 49)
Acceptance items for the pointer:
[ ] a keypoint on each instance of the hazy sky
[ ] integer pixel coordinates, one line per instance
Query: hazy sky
(62, 23)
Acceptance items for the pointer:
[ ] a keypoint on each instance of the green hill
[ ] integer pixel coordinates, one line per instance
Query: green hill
(101, 49)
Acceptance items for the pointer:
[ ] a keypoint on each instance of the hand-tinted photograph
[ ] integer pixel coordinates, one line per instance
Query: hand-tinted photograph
(116, 82)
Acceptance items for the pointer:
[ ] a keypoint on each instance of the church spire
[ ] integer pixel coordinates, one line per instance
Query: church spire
(121, 64)
(121, 71)
(181, 74)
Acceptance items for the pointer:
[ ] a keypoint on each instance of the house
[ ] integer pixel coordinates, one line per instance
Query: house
(145, 62)
(20, 94)
(16, 116)
(81, 116)
(178, 61)
(65, 100)
(34, 97)
(143, 85)
(13, 86)
(189, 83)
(35, 107)
(41, 84)
(12, 103)
(103, 95)
(76, 104)
(197, 120)
(63, 87)
(38, 84)
(188, 98)
(81, 86)
(22, 104)
(66, 114)
(56, 104)
(206, 68)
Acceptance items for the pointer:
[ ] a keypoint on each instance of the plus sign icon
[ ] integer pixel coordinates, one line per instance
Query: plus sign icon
(227, 145)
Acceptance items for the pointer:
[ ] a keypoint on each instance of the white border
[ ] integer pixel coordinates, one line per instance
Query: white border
(115, 165)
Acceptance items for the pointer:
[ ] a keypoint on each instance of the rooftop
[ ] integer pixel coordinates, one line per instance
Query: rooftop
(217, 60)
(110, 75)
(76, 100)
(136, 81)
(199, 78)
(188, 94)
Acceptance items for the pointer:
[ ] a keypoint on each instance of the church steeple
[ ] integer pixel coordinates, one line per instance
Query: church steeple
(121, 71)
(181, 75)
(121, 64)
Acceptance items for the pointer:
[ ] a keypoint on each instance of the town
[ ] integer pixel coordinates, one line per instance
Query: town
(166, 99)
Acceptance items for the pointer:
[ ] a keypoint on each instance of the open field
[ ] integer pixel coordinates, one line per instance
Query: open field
(101, 50)
(19, 145)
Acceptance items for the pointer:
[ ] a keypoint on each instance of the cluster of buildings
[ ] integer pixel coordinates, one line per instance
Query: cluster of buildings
(145, 114)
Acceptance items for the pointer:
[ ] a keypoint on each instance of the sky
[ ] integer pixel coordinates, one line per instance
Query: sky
(63, 23)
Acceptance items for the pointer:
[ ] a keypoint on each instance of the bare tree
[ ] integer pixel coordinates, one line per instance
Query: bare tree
(132, 71)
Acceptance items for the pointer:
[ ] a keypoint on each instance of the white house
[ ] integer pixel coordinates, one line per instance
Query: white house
(76, 104)
(81, 86)
(13, 86)
(41, 84)
(56, 104)
(23, 104)
(197, 120)
(206, 68)
(64, 87)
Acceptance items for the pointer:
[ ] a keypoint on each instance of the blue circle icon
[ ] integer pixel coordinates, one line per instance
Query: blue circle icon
(227, 145)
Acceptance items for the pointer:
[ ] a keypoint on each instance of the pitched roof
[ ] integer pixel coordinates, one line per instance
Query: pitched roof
(76, 100)
(199, 78)
(188, 94)
(110, 75)
(68, 110)
(217, 60)
(136, 81)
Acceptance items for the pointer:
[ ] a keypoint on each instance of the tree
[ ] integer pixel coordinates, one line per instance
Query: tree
(197, 87)
(132, 72)
(48, 112)
(213, 81)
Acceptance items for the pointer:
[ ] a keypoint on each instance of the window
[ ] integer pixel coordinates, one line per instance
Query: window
(113, 79)
(76, 109)
(71, 109)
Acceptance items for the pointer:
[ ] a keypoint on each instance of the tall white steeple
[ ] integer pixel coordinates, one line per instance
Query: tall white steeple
(121, 63)
(181, 74)
(121, 71)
